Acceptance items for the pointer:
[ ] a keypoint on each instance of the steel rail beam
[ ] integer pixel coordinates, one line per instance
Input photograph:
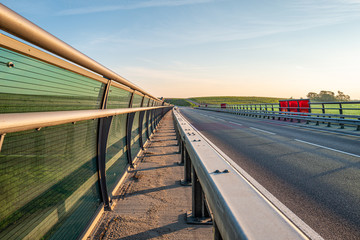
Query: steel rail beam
(238, 209)
(19, 26)
(16, 122)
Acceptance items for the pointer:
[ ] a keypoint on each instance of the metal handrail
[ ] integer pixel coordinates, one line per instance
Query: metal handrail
(15, 122)
(19, 26)
(237, 214)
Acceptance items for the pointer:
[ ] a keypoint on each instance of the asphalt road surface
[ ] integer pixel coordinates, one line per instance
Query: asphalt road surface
(315, 173)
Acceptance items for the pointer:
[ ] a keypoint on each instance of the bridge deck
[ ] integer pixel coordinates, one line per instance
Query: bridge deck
(152, 203)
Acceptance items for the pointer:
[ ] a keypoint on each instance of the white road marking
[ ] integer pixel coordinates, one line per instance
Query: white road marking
(236, 123)
(263, 131)
(332, 149)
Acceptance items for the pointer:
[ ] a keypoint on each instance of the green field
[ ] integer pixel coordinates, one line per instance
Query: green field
(179, 102)
(223, 99)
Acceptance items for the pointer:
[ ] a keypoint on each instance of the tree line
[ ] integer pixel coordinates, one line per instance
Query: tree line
(328, 96)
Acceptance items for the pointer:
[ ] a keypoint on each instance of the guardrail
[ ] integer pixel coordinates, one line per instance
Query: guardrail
(326, 113)
(69, 133)
(222, 190)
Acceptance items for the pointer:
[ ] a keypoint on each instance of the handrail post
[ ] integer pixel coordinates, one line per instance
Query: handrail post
(104, 127)
(129, 123)
(103, 133)
(141, 120)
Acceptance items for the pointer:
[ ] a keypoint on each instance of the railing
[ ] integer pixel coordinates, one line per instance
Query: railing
(340, 113)
(68, 134)
(236, 203)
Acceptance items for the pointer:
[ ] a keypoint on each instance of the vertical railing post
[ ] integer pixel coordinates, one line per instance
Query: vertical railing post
(104, 127)
(141, 121)
(102, 137)
(341, 113)
(129, 123)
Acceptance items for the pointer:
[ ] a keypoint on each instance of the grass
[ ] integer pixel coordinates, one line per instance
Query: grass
(179, 102)
(235, 100)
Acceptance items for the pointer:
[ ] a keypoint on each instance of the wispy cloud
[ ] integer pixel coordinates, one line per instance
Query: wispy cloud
(132, 5)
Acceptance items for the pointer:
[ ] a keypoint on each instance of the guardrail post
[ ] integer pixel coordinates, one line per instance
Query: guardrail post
(199, 211)
(187, 167)
(341, 113)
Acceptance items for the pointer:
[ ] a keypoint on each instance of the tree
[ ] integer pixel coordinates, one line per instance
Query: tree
(328, 96)
(341, 97)
(312, 96)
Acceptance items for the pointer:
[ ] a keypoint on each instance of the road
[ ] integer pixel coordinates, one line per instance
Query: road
(314, 173)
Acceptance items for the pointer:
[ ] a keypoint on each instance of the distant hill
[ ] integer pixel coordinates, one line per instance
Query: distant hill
(179, 102)
(189, 102)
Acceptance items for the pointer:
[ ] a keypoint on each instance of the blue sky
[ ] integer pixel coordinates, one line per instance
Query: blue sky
(185, 48)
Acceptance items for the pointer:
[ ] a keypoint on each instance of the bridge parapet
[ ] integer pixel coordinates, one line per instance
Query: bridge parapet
(69, 131)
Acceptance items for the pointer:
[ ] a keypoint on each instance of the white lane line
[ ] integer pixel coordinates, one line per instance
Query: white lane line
(332, 149)
(236, 123)
(263, 131)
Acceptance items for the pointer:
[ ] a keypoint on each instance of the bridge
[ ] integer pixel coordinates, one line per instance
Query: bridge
(73, 133)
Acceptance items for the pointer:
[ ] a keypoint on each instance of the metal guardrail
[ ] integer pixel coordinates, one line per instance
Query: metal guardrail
(238, 210)
(340, 119)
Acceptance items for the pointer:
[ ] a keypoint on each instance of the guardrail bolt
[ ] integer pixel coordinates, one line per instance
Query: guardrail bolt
(10, 64)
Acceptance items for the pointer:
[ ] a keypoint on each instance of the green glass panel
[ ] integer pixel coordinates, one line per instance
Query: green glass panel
(46, 176)
(35, 86)
(137, 101)
(116, 158)
(118, 98)
(135, 143)
(144, 129)
(146, 102)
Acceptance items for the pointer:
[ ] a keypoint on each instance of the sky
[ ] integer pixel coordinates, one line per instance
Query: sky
(192, 48)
